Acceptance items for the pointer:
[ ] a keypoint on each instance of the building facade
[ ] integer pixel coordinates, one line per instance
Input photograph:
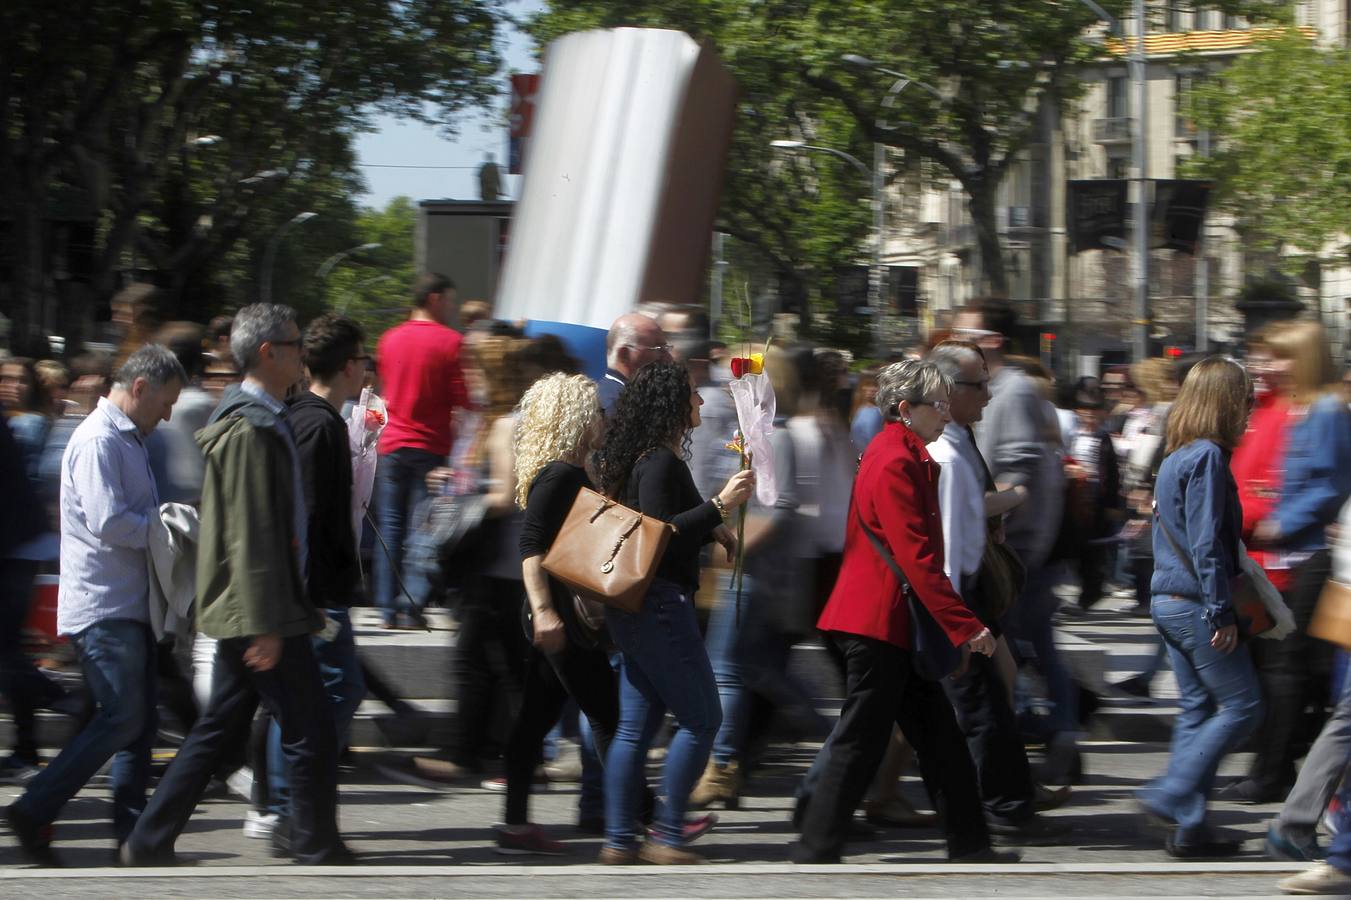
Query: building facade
(1086, 297)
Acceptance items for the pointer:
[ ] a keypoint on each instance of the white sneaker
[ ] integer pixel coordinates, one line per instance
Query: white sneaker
(240, 782)
(259, 825)
(1321, 879)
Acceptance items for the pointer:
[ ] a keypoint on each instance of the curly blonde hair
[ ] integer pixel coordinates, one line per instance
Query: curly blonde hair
(555, 417)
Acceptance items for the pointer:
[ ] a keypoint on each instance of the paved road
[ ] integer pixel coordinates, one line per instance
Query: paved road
(420, 843)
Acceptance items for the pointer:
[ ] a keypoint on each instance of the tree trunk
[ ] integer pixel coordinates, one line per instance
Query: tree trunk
(981, 196)
(29, 275)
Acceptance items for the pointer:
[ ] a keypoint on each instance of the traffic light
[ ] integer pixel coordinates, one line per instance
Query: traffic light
(1172, 352)
(1047, 342)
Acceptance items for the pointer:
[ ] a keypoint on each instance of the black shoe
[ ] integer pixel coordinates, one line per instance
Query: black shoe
(340, 855)
(804, 857)
(988, 855)
(131, 858)
(1137, 686)
(591, 825)
(1206, 849)
(35, 841)
(1248, 791)
(281, 839)
(1034, 832)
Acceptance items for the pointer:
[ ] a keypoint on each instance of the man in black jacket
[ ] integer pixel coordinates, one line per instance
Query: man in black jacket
(337, 364)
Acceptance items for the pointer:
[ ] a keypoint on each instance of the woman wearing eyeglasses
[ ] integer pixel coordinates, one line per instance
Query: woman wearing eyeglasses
(896, 499)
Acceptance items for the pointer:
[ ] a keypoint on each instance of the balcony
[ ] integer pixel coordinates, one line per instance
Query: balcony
(1112, 131)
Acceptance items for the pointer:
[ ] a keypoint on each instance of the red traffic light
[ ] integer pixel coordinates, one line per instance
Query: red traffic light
(1172, 352)
(1048, 335)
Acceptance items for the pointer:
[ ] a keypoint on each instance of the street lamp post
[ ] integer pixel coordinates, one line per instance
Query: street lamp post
(879, 166)
(270, 255)
(1140, 159)
(328, 265)
(874, 176)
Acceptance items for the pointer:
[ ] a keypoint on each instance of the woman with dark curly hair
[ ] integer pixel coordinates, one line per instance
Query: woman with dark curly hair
(664, 664)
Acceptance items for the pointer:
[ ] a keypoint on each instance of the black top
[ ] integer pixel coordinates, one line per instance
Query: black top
(661, 486)
(547, 505)
(326, 467)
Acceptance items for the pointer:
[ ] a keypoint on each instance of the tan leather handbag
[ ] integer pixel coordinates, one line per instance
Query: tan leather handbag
(1332, 617)
(607, 552)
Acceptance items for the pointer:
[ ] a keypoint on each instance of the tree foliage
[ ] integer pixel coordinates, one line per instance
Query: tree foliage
(373, 287)
(1281, 159)
(158, 115)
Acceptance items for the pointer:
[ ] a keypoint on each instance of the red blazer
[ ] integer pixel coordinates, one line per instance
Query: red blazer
(896, 491)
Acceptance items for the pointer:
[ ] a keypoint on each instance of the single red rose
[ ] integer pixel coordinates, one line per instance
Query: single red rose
(739, 366)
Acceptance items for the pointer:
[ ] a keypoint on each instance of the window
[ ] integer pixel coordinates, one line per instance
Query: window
(1118, 167)
(1118, 103)
(1183, 126)
(1176, 17)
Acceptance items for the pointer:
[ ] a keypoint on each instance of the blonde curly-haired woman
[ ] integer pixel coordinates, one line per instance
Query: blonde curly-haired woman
(559, 422)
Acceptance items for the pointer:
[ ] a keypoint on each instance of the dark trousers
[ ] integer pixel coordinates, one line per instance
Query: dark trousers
(991, 728)
(881, 689)
(490, 655)
(1294, 676)
(294, 693)
(588, 677)
(20, 680)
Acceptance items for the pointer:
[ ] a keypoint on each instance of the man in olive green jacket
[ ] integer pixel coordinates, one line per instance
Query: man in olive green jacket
(251, 598)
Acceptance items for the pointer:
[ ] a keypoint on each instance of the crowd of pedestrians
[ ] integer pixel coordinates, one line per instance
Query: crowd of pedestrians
(198, 493)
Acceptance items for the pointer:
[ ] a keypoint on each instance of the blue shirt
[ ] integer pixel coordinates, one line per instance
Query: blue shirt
(867, 425)
(608, 389)
(1196, 504)
(107, 498)
(1317, 475)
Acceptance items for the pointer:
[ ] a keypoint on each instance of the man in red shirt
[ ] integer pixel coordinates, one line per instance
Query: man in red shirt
(423, 384)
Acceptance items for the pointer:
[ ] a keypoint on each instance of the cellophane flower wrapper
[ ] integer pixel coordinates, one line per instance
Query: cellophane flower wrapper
(365, 422)
(755, 410)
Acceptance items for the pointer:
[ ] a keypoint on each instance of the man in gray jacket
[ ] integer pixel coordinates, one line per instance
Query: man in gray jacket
(1020, 440)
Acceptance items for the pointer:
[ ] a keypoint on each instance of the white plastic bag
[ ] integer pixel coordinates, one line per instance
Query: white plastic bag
(367, 419)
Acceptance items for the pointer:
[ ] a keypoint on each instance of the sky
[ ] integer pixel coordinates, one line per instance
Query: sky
(399, 142)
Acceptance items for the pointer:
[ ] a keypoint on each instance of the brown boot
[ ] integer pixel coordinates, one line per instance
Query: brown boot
(658, 854)
(609, 856)
(719, 784)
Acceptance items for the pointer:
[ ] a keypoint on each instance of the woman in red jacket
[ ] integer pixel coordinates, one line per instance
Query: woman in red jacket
(896, 497)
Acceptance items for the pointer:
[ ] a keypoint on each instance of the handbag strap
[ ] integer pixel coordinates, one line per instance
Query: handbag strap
(884, 552)
(1185, 558)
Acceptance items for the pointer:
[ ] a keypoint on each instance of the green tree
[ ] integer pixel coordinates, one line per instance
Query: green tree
(1281, 157)
(162, 114)
(375, 287)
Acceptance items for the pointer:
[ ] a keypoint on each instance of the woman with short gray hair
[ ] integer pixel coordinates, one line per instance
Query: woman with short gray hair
(911, 380)
(893, 552)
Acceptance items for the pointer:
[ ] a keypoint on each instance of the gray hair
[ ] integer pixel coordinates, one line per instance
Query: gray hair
(155, 363)
(950, 356)
(255, 325)
(911, 380)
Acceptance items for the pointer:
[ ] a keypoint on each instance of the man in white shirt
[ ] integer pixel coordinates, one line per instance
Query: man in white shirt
(108, 496)
(977, 693)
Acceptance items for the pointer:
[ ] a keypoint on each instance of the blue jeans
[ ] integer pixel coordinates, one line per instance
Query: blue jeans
(751, 656)
(119, 664)
(1221, 705)
(341, 671)
(664, 666)
(1030, 621)
(400, 485)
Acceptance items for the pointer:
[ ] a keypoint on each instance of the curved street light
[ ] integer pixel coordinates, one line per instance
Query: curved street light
(874, 177)
(270, 255)
(328, 265)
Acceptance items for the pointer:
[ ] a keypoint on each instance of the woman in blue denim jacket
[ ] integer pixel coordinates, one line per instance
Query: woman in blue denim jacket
(1315, 482)
(1196, 556)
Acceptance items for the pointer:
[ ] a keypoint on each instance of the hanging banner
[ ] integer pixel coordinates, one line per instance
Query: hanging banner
(523, 90)
(1097, 214)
